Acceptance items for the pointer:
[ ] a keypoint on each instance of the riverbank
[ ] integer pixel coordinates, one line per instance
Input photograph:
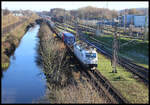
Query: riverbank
(11, 40)
(65, 82)
(23, 81)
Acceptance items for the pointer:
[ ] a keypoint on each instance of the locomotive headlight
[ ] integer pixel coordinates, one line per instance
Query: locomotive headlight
(96, 61)
(85, 62)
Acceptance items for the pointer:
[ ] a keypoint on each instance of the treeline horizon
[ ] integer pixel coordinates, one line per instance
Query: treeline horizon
(88, 12)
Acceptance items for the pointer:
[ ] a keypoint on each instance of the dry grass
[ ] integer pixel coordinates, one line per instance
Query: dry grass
(9, 19)
(11, 40)
(82, 93)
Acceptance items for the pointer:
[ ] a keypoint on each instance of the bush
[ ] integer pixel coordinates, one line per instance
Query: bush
(53, 58)
(5, 12)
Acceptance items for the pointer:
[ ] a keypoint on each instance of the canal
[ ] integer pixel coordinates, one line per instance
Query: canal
(24, 81)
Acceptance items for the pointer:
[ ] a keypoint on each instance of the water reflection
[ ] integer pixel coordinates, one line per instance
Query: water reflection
(21, 82)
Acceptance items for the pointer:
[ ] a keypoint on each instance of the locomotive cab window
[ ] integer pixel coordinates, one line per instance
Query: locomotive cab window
(91, 55)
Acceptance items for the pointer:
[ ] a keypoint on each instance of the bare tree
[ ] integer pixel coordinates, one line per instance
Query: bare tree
(53, 58)
(5, 11)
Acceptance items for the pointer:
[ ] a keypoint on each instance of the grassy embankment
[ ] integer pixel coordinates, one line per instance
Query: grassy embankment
(64, 81)
(9, 19)
(11, 40)
(124, 81)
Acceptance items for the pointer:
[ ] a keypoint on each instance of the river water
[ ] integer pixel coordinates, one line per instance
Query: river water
(24, 81)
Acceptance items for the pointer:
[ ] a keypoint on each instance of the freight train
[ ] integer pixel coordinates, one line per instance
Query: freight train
(59, 19)
(86, 54)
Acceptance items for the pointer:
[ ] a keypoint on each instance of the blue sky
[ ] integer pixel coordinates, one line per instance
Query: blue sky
(45, 5)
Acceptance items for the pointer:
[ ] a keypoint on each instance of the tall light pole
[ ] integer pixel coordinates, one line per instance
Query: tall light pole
(65, 20)
(125, 20)
(76, 26)
(115, 50)
(145, 28)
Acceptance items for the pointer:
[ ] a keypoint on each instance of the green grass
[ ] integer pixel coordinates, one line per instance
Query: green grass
(67, 29)
(132, 90)
(69, 25)
(137, 51)
(5, 65)
(85, 32)
(71, 30)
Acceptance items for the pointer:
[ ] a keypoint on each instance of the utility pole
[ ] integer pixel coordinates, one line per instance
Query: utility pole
(87, 21)
(125, 20)
(107, 18)
(145, 29)
(64, 20)
(131, 27)
(115, 50)
(76, 26)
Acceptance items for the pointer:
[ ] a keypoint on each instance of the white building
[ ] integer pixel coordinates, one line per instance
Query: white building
(17, 14)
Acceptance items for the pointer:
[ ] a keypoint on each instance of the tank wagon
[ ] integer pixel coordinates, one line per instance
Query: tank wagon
(86, 54)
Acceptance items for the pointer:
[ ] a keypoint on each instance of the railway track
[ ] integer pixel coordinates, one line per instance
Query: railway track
(109, 28)
(99, 82)
(140, 71)
(92, 29)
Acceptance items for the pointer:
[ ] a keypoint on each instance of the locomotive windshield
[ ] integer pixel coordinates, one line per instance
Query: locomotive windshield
(91, 55)
(71, 40)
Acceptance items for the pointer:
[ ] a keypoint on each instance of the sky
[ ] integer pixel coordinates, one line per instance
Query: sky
(45, 5)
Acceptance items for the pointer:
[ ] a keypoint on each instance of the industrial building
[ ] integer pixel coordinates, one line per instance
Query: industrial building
(136, 20)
